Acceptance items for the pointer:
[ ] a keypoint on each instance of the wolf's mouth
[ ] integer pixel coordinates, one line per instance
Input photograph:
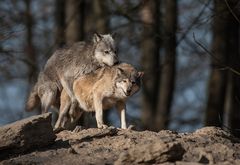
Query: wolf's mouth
(127, 94)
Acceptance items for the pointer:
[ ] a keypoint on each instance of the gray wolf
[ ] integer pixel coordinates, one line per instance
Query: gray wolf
(101, 90)
(65, 65)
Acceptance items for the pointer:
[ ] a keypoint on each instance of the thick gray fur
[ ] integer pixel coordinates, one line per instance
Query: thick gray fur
(67, 64)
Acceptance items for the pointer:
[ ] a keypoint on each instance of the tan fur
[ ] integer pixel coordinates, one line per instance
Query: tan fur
(100, 90)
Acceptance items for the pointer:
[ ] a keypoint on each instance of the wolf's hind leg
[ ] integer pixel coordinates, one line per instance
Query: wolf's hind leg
(63, 114)
(73, 111)
(47, 100)
(67, 84)
(78, 114)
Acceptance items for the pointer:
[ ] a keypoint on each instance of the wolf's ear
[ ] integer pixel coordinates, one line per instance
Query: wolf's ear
(140, 74)
(97, 37)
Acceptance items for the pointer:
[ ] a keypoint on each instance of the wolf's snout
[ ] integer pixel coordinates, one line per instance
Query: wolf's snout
(116, 61)
(128, 92)
(133, 82)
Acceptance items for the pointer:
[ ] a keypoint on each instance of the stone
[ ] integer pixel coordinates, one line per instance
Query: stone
(30, 133)
(155, 152)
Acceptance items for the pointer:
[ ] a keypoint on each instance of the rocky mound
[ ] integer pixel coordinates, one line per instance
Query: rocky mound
(32, 141)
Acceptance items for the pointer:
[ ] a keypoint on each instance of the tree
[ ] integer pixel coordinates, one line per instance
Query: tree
(224, 88)
(74, 21)
(167, 76)
(100, 16)
(217, 81)
(232, 100)
(150, 45)
(29, 48)
(60, 22)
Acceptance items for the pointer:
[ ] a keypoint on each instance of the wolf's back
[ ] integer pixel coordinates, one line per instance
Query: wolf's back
(33, 99)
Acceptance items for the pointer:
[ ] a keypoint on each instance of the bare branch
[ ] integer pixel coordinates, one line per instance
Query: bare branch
(193, 23)
(234, 15)
(215, 58)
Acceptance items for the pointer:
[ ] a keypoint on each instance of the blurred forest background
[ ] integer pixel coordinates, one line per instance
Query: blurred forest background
(188, 49)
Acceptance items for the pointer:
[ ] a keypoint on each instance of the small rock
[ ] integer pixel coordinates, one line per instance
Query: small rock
(71, 151)
(156, 152)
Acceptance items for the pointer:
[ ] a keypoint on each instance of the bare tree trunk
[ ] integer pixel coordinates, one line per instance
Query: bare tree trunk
(232, 44)
(233, 101)
(100, 16)
(167, 78)
(74, 21)
(150, 46)
(60, 23)
(98, 20)
(29, 48)
(217, 81)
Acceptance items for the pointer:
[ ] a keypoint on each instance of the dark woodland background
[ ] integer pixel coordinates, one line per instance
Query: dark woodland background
(188, 49)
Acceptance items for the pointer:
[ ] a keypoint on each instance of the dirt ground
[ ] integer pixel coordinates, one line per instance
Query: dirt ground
(209, 145)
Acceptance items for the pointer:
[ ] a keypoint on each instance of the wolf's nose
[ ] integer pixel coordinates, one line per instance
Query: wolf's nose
(116, 62)
(128, 92)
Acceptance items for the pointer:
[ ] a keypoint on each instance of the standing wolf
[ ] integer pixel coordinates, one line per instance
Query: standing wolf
(67, 64)
(100, 90)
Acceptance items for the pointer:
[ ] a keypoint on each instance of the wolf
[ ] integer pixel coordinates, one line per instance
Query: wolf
(68, 63)
(101, 90)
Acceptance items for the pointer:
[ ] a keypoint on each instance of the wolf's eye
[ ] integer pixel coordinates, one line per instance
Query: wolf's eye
(125, 81)
(106, 51)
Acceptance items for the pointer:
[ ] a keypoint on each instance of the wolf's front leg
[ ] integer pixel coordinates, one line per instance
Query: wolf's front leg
(97, 101)
(121, 108)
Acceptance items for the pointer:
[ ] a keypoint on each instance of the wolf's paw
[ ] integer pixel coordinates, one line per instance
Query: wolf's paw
(131, 127)
(111, 127)
(103, 126)
(78, 128)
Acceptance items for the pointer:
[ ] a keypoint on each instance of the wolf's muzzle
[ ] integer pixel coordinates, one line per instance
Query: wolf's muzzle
(129, 92)
(116, 62)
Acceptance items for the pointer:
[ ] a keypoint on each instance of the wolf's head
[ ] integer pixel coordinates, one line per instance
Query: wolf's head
(128, 80)
(105, 49)
(123, 88)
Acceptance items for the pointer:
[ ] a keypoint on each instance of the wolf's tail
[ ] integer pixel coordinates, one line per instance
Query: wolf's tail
(33, 100)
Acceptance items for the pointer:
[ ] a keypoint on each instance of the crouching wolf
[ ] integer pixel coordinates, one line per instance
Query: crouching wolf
(67, 64)
(101, 90)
